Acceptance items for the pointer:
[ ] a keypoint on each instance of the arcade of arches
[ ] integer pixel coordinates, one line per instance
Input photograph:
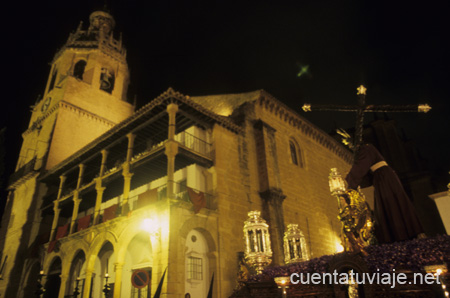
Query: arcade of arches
(87, 265)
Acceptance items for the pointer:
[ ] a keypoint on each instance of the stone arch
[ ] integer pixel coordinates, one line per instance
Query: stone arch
(30, 280)
(296, 153)
(53, 79)
(100, 261)
(199, 225)
(100, 240)
(49, 259)
(126, 237)
(74, 249)
(138, 255)
(76, 269)
(107, 79)
(97, 244)
(53, 278)
(79, 68)
(197, 269)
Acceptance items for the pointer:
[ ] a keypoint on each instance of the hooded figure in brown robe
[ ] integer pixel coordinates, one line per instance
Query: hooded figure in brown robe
(395, 218)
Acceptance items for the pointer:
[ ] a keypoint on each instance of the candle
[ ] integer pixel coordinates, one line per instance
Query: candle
(41, 272)
(106, 275)
(107, 266)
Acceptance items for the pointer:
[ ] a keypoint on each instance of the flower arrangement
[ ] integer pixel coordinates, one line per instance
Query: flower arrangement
(410, 255)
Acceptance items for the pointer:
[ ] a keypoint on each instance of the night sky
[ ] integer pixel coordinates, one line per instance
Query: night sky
(398, 51)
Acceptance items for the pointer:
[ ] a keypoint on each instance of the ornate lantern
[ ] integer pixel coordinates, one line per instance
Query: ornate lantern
(294, 245)
(258, 252)
(337, 184)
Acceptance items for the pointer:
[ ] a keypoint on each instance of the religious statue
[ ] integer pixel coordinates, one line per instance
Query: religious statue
(354, 214)
(395, 218)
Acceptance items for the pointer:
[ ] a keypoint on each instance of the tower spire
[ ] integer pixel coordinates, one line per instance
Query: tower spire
(102, 22)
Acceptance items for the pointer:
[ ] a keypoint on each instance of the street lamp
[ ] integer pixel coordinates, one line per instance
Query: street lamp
(151, 226)
(437, 270)
(106, 288)
(76, 291)
(40, 288)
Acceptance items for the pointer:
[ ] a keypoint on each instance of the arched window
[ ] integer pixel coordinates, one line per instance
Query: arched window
(53, 279)
(53, 80)
(77, 270)
(138, 256)
(78, 69)
(197, 265)
(296, 153)
(294, 158)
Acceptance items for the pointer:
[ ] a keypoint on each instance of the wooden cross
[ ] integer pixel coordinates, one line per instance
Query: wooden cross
(362, 108)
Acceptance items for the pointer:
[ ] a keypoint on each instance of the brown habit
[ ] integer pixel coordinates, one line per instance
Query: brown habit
(395, 218)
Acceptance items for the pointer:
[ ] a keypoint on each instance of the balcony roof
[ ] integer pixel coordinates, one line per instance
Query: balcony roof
(189, 113)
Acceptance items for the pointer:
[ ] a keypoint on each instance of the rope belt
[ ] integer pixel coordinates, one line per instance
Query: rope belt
(378, 165)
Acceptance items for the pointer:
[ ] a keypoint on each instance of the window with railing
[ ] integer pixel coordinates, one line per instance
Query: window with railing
(195, 268)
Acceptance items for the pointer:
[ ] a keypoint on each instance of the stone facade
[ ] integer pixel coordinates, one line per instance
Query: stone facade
(165, 189)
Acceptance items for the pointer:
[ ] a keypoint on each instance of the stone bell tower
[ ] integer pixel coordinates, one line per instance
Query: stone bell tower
(84, 97)
(85, 94)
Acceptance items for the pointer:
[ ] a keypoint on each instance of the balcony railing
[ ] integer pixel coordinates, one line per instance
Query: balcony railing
(86, 218)
(160, 193)
(194, 143)
(209, 198)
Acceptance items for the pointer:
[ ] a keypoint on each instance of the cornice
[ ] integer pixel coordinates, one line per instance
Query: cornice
(70, 107)
(286, 114)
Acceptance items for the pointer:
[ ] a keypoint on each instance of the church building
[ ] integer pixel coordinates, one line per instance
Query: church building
(103, 194)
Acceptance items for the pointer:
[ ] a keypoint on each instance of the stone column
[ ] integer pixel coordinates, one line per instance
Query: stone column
(76, 199)
(76, 205)
(99, 188)
(171, 149)
(126, 188)
(80, 175)
(87, 282)
(273, 212)
(270, 187)
(56, 208)
(62, 287)
(127, 174)
(131, 137)
(103, 165)
(98, 202)
(118, 281)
